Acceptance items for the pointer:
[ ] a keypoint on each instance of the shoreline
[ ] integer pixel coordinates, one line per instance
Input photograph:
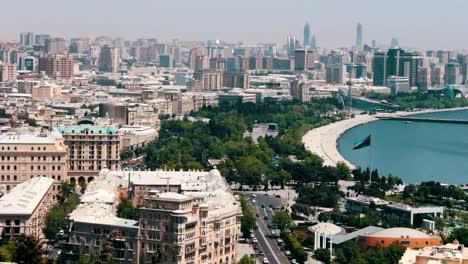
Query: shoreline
(323, 141)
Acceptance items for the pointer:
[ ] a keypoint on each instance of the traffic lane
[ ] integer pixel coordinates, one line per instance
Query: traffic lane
(273, 246)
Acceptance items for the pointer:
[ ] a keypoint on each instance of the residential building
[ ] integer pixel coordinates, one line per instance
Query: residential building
(236, 80)
(46, 91)
(57, 65)
(210, 80)
(91, 149)
(24, 209)
(109, 60)
(451, 253)
(166, 61)
(437, 74)
(300, 90)
(451, 73)
(398, 84)
(55, 45)
(134, 137)
(25, 155)
(336, 74)
(8, 72)
(27, 64)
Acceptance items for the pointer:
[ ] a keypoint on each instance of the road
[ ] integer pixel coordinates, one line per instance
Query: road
(264, 207)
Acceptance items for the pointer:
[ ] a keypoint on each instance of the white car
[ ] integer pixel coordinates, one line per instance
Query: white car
(253, 201)
(254, 240)
(265, 261)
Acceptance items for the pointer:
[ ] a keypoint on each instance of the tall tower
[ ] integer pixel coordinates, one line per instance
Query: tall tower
(313, 42)
(291, 45)
(359, 36)
(306, 35)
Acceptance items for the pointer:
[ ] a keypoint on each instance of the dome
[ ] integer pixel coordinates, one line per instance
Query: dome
(399, 232)
(326, 228)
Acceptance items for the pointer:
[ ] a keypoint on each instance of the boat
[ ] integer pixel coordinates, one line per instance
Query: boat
(408, 122)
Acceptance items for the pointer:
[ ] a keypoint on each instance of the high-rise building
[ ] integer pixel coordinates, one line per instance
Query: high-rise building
(27, 39)
(359, 42)
(57, 65)
(443, 56)
(437, 74)
(41, 39)
(336, 74)
(55, 45)
(79, 45)
(90, 149)
(423, 78)
(299, 89)
(194, 53)
(313, 43)
(236, 80)
(234, 64)
(451, 73)
(109, 60)
(26, 155)
(201, 63)
(394, 43)
(27, 64)
(395, 62)
(8, 72)
(291, 45)
(304, 59)
(165, 60)
(210, 80)
(306, 35)
(217, 64)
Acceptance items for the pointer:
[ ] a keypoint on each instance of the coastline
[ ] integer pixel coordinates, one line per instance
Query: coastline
(323, 141)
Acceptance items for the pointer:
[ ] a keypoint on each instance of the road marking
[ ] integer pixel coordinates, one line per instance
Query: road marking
(265, 240)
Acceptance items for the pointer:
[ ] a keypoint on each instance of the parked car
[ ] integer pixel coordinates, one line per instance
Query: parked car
(265, 261)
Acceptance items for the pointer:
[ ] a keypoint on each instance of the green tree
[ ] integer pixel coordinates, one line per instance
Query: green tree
(27, 250)
(323, 255)
(343, 170)
(394, 252)
(31, 122)
(248, 221)
(460, 234)
(127, 210)
(349, 253)
(376, 255)
(283, 220)
(246, 260)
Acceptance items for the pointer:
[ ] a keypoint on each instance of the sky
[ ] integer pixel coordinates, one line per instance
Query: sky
(421, 24)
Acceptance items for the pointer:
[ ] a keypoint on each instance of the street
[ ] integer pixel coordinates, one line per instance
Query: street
(265, 206)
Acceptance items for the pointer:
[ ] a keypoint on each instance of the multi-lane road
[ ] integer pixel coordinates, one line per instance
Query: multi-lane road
(264, 206)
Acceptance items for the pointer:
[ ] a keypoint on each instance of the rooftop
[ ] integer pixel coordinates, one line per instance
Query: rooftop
(399, 232)
(87, 128)
(25, 197)
(29, 137)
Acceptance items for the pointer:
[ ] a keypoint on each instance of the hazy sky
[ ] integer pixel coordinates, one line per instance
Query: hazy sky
(416, 23)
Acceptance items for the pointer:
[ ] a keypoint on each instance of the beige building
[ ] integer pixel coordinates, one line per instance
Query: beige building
(25, 86)
(46, 91)
(57, 65)
(446, 254)
(210, 80)
(134, 137)
(24, 209)
(8, 72)
(91, 149)
(25, 155)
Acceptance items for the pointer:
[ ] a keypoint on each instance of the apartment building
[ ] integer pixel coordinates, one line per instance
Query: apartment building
(23, 210)
(25, 155)
(91, 149)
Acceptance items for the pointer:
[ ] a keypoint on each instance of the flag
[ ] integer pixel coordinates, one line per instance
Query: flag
(366, 142)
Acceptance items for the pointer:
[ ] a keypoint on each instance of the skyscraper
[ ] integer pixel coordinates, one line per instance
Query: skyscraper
(304, 59)
(26, 39)
(359, 36)
(451, 73)
(291, 43)
(313, 43)
(395, 62)
(394, 43)
(306, 35)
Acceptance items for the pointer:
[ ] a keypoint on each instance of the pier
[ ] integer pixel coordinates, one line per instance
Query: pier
(423, 119)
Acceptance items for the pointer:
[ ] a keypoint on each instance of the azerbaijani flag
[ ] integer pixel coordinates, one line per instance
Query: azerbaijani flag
(366, 142)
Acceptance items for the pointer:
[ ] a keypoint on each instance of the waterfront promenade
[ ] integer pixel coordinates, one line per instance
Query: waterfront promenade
(323, 141)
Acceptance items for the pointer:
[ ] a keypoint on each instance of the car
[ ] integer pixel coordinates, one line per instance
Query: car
(254, 240)
(267, 194)
(278, 196)
(263, 206)
(254, 195)
(287, 253)
(253, 201)
(294, 261)
(265, 261)
(61, 232)
(257, 215)
(265, 217)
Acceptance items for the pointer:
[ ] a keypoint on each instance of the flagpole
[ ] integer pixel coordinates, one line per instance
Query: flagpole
(370, 163)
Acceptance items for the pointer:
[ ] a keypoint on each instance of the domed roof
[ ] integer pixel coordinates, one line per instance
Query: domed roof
(326, 228)
(400, 232)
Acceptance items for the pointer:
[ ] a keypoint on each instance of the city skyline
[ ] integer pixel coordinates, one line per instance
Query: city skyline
(181, 19)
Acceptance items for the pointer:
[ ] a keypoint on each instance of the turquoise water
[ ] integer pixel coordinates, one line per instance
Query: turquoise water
(415, 152)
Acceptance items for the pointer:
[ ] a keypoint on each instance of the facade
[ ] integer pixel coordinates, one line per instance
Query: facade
(26, 39)
(396, 62)
(300, 90)
(336, 74)
(26, 155)
(447, 254)
(304, 59)
(398, 84)
(8, 72)
(24, 209)
(423, 78)
(55, 45)
(91, 149)
(109, 60)
(451, 73)
(166, 61)
(236, 80)
(406, 215)
(407, 237)
(27, 64)
(437, 74)
(57, 65)
(134, 137)
(46, 91)
(306, 35)
(210, 80)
